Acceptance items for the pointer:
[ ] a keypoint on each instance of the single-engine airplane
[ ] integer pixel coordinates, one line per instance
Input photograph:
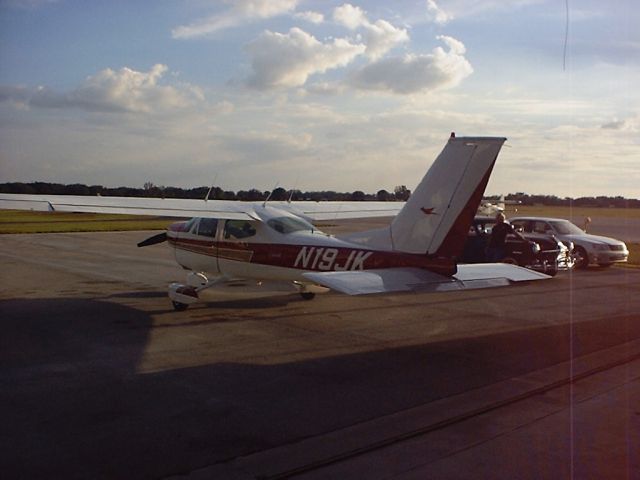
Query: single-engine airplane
(489, 209)
(229, 240)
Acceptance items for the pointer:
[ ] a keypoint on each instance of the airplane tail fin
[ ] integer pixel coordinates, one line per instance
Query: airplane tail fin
(436, 218)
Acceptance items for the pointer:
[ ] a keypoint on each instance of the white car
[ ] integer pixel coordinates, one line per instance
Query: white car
(588, 248)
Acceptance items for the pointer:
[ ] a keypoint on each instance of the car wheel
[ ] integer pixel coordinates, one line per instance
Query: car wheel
(552, 272)
(582, 259)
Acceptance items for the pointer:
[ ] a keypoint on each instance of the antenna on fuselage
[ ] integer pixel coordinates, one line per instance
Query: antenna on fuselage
(270, 193)
(291, 192)
(206, 198)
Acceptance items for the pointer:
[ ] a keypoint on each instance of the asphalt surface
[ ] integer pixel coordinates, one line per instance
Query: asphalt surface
(100, 378)
(625, 229)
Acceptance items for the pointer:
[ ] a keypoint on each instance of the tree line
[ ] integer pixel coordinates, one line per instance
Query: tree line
(551, 200)
(399, 193)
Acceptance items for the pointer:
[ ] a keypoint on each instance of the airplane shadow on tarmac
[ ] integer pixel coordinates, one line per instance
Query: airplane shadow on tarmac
(256, 303)
(73, 406)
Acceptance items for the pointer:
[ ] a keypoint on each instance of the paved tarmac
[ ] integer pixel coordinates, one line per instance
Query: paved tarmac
(625, 229)
(100, 378)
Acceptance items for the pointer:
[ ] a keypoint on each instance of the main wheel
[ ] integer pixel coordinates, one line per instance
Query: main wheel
(178, 306)
(307, 295)
(582, 259)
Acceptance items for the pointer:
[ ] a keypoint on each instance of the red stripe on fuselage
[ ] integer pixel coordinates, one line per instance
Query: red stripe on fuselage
(313, 257)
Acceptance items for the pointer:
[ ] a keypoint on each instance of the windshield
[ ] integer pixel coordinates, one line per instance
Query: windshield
(565, 227)
(290, 224)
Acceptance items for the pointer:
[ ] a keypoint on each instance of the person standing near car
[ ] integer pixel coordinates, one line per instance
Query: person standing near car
(496, 248)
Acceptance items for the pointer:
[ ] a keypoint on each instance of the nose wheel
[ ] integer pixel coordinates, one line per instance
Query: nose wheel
(179, 307)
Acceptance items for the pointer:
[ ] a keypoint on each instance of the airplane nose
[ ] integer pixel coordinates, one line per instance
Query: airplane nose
(178, 227)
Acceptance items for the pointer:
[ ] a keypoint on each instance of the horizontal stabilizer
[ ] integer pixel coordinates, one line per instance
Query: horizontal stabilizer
(362, 282)
(487, 271)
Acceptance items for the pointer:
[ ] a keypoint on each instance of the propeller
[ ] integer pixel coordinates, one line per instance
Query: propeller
(159, 238)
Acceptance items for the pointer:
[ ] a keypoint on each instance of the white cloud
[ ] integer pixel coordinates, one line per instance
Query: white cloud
(350, 16)
(16, 95)
(241, 11)
(125, 90)
(224, 107)
(324, 88)
(287, 60)
(437, 14)
(417, 73)
(312, 17)
(379, 37)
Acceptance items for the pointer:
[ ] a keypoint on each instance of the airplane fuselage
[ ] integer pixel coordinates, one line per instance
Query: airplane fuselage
(266, 253)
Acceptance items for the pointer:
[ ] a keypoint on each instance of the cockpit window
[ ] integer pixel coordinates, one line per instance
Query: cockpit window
(207, 227)
(189, 225)
(238, 229)
(289, 224)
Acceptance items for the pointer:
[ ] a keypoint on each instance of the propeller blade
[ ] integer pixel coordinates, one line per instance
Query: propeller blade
(159, 238)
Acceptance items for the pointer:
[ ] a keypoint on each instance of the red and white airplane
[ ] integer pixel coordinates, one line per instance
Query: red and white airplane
(230, 240)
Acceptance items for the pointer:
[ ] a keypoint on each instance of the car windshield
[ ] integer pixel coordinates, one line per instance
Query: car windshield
(565, 227)
(290, 224)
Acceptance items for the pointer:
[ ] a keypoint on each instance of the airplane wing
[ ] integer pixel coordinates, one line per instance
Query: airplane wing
(389, 280)
(340, 210)
(162, 207)
(179, 207)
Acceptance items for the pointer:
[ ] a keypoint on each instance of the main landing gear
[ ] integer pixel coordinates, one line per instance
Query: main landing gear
(307, 295)
(308, 291)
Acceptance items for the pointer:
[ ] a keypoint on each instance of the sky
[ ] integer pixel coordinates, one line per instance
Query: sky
(319, 95)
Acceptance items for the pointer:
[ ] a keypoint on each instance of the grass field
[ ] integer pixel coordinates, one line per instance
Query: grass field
(14, 221)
